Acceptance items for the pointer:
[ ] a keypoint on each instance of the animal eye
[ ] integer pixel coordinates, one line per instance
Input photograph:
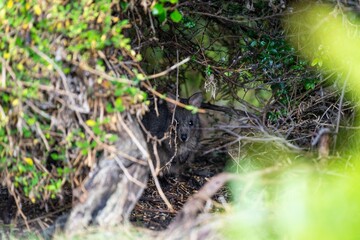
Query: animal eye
(191, 123)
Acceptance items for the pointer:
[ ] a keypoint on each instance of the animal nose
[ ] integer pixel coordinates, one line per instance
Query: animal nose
(183, 137)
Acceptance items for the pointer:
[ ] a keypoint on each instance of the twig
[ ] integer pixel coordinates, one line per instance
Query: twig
(63, 78)
(187, 216)
(17, 201)
(3, 73)
(49, 89)
(151, 23)
(102, 74)
(57, 68)
(156, 93)
(246, 19)
(39, 131)
(37, 110)
(157, 158)
(151, 165)
(340, 106)
(163, 73)
(106, 147)
(131, 135)
(177, 80)
(127, 174)
(158, 187)
(117, 152)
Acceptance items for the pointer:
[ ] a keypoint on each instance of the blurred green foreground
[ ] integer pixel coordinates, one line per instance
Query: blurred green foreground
(300, 198)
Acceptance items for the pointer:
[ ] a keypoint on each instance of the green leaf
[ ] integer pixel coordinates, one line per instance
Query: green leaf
(2, 132)
(51, 187)
(90, 123)
(27, 133)
(118, 102)
(120, 108)
(21, 168)
(60, 171)
(93, 144)
(54, 156)
(82, 144)
(158, 9)
(309, 85)
(118, 92)
(58, 184)
(5, 97)
(228, 74)
(314, 62)
(112, 138)
(109, 108)
(189, 107)
(123, 6)
(162, 16)
(97, 130)
(188, 23)
(208, 70)
(176, 16)
(31, 121)
(106, 120)
(84, 152)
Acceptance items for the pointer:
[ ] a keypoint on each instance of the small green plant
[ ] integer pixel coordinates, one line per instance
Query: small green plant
(208, 70)
(188, 22)
(161, 9)
(274, 116)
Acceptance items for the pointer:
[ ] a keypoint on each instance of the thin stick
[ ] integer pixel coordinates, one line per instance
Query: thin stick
(131, 135)
(57, 68)
(169, 69)
(3, 73)
(102, 74)
(156, 93)
(151, 165)
(39, 131)
(340, 107)
(98, 141)
(63, 78)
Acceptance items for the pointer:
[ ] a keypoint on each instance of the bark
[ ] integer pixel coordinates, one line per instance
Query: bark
(115, 184)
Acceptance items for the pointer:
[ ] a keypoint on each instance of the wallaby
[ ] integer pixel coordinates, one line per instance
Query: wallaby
(177, 129)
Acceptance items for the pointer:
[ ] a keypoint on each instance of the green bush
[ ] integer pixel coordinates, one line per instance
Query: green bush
(42, 46)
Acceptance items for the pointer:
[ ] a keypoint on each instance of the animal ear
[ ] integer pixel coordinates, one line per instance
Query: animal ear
(196, 99)
(170, 105)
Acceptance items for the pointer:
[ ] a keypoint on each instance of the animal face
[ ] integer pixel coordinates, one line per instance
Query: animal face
(187, 123)
(180, 148)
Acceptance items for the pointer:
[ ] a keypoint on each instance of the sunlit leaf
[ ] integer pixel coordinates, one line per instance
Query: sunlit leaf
(176, 16)
(10, 4)
(37, 10)
(158, 9)
(29, 161)
(90, 123)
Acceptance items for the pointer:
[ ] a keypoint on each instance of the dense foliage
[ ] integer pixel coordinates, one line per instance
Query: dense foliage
(62, 83)
(69, 68)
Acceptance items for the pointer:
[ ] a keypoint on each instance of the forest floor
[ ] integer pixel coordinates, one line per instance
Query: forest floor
(150, 212)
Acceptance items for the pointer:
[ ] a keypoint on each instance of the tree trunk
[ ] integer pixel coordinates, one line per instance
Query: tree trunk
(115, 184)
